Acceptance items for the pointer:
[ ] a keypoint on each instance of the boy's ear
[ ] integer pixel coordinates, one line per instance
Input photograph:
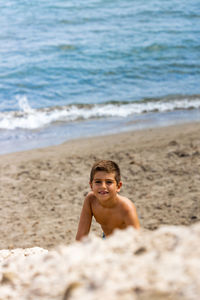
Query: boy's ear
(119, 186)
(90, 183)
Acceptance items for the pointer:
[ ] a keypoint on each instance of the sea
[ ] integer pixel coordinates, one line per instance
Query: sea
(76, 69)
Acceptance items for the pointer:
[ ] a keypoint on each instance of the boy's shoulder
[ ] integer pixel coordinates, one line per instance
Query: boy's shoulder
(126, 203)
(90, 194)
(90, 197)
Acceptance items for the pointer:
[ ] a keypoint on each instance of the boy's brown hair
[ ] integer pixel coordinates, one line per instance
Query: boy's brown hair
(108, 166)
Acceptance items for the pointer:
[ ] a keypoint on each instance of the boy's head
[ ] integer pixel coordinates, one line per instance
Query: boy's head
(107, 166)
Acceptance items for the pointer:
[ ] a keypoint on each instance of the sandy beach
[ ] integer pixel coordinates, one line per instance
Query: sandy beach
(42, 190)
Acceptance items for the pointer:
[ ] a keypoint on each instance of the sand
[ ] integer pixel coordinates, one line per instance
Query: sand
(129, 265)
(42, 190)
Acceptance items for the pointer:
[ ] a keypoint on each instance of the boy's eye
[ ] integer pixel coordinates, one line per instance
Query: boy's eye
(109, 182)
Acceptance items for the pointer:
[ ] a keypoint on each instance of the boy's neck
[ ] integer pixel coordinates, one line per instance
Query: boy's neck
(111, 203)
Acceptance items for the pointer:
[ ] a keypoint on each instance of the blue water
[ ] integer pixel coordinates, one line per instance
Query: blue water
(81, 68)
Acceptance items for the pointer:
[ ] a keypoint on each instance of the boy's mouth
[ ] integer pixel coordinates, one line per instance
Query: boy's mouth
(103, 192)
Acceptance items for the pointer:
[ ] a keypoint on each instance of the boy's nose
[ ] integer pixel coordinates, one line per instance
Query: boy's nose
(103, 184)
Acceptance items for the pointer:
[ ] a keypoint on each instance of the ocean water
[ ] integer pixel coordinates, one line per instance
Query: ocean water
(72, 69)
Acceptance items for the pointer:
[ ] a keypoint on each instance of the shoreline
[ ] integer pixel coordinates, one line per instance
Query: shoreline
(43, 189)
(18, 140)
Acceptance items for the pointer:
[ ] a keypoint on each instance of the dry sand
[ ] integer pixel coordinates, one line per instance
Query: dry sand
(42, 190)
(129, 265)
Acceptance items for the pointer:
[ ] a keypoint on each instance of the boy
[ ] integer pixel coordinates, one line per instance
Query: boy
(110, 210)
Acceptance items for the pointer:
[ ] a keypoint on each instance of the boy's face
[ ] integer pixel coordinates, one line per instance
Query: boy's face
(104, 186)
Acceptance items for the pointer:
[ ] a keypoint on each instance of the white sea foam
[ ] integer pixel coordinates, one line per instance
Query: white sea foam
(29, 118)
(24, 104)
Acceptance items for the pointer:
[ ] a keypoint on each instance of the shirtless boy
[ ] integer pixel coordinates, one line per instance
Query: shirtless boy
(111, 210)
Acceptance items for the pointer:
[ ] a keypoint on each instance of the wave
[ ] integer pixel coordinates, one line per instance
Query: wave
(32, 119)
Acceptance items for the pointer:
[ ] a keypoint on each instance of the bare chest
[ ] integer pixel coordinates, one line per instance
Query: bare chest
(108, 217)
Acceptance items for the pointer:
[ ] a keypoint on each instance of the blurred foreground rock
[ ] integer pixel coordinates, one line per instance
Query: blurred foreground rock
(159, 265)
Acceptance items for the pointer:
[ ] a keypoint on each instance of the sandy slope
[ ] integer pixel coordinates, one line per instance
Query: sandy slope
(42, 190)
(129, 265)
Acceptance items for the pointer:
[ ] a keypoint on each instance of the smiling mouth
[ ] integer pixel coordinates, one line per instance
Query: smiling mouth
(103, 193)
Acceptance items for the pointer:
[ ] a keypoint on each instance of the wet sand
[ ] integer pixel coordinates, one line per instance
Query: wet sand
(42, 190)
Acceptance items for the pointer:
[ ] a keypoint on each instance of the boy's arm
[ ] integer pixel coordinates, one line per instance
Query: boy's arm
(85, 219)
(132, 217)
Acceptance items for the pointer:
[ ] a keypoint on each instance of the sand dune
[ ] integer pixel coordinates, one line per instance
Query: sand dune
(155, 265)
